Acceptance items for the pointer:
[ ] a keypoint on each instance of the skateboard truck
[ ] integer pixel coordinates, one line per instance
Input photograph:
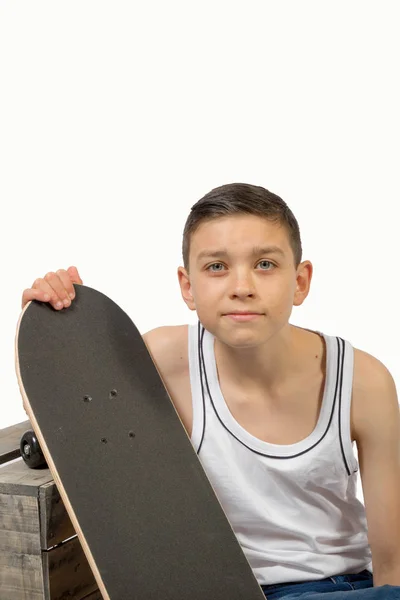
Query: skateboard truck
(31, 451)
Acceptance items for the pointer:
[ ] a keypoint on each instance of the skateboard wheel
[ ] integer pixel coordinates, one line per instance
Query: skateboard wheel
(31, 451)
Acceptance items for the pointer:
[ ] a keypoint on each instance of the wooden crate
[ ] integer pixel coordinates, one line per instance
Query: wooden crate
(41, 557)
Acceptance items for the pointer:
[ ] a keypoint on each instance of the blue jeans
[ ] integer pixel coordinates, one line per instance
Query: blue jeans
(333, 588)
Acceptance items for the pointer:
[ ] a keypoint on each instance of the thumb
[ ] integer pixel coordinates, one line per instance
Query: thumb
(75, 277)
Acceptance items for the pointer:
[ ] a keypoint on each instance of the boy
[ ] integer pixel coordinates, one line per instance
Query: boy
(273, 409)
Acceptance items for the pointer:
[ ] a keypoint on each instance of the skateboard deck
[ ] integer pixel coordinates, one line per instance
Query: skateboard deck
(144, 510)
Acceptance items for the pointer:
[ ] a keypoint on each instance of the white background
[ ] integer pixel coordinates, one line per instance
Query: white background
(117, 116)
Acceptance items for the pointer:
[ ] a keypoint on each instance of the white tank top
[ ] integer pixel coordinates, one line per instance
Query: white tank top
(293, 507)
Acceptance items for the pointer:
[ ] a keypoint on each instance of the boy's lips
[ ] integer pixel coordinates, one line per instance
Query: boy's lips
(242, 315)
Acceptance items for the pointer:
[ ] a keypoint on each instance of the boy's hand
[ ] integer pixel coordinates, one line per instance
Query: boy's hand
(55, 288)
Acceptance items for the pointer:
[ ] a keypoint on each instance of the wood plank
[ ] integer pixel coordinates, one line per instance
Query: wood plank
(16, 478)
(21, 577)
(19, 525)
(67, 571)
(56, 526)
(20, 552)
(9, 440)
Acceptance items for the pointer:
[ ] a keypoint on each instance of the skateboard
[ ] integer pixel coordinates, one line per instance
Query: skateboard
(143, 508)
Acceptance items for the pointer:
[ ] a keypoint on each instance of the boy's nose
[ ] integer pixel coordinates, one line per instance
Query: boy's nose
(242, 286)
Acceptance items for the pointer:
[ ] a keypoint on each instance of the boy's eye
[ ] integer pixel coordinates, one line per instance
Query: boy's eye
(218, 267)
(266, 265)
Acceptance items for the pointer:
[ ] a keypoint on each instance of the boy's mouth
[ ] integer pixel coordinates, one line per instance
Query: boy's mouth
(242, 315)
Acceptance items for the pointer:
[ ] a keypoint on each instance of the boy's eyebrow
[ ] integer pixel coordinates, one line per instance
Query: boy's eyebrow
(256, 251)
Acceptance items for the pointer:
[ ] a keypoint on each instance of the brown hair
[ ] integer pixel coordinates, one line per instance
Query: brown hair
(242, 198)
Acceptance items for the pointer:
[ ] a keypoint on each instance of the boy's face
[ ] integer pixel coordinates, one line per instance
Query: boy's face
(242, 279)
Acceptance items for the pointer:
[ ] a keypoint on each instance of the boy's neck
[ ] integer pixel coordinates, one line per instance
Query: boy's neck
(270, 366)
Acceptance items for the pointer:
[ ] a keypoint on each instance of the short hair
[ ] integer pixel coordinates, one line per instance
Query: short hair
(242, 198)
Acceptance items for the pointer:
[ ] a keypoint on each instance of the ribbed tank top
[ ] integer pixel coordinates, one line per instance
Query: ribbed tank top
(293, 508)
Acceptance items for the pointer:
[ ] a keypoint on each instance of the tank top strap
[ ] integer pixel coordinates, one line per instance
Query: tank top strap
(195, 332)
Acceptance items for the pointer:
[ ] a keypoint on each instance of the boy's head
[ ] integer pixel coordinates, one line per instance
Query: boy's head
(241, 198)
(242, 264)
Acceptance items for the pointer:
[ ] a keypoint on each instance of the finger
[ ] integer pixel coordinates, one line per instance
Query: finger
(34, 294)
(45, 287)
(54, 300)
(66, 282)
(59, 297)
(74, 275)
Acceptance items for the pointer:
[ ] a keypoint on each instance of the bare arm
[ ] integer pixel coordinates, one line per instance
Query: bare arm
(376, 421)
(168, 347)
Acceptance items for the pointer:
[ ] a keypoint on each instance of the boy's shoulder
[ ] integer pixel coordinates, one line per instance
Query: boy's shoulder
(370, 374)
(168, 347)
(374, 395)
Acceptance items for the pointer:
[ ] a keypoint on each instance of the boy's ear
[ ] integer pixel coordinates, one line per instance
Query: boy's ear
(186, 288)
(303, 282)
